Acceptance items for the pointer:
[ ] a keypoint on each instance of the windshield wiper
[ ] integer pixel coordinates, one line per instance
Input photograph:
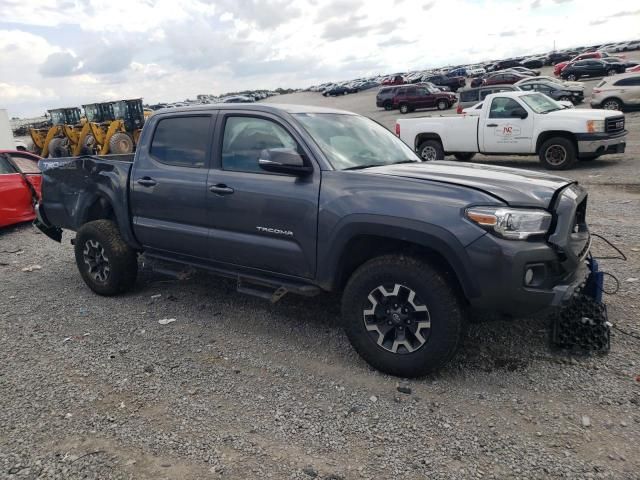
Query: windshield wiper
(360, 167)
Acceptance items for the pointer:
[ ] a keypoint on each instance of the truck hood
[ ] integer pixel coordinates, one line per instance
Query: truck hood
(585, 113)
(513, 186)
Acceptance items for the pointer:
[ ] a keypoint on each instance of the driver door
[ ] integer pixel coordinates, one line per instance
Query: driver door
(503, 133)
(258, 219)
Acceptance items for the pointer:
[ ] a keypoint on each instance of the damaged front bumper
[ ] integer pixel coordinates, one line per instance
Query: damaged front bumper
(54, 233)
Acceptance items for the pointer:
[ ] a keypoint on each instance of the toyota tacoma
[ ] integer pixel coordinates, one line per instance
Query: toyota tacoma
(308, 200)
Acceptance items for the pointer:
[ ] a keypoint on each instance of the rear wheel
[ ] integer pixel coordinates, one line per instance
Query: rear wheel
(442, 105)
(120, 143)
(387, 106)
(612, 104)
(58, 147)
(107, 264)
(402, 316)
(558, 153)
(431, 150)
(464, 157)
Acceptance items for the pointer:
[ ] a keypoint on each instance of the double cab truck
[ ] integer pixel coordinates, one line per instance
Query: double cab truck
(519, 123)
(309, 200)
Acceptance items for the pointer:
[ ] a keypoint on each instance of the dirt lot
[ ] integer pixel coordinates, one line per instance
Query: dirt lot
(94, 387)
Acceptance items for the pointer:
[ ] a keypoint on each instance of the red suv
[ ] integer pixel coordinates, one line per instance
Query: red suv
(410, 98)
(503, 78)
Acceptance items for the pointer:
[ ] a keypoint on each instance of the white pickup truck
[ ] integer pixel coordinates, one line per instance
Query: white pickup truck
(518, 123)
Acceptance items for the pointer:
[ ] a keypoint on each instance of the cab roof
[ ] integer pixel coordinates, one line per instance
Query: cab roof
(257, 107)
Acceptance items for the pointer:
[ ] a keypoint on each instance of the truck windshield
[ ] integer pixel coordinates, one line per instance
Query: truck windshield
(352, 141)
(540, 103)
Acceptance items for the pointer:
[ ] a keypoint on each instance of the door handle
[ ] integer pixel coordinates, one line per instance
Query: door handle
(147, 182)
(221, 189)
(492, 125)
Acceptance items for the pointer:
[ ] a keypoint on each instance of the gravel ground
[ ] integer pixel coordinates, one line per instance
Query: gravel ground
(94, 387)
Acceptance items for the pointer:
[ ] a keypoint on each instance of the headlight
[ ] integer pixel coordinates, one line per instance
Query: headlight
(511, 223)
(595, 126)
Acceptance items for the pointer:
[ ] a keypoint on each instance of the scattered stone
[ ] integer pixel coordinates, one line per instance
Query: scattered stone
(586, 421)
(310, 471)
(373, 399)
(404, 389)
(166, 321)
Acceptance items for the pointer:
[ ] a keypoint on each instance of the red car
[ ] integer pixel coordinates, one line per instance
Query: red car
(393, 80)
(501, 78)
(20, 183)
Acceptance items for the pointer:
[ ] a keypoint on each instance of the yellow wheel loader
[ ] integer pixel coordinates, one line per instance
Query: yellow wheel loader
(120, 129)
(52, 141)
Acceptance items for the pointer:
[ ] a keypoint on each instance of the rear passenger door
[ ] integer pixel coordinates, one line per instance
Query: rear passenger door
(169, 185)
(258, 219)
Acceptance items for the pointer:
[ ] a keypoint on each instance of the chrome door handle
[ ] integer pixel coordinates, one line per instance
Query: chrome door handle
(221, 189)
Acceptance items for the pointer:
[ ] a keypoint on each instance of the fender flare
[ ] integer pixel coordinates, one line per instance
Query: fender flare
(420, 233)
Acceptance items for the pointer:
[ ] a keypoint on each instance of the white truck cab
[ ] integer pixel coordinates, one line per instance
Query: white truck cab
(519, 123)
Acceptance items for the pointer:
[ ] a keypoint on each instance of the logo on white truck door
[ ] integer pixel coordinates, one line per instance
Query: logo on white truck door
(507, 130)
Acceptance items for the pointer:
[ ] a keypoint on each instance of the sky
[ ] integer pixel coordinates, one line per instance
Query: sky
(59, 53)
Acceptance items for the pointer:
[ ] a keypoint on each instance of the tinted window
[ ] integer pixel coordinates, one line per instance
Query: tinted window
(411, 91)
(469, 96)
(628, 81)
(501, 107)
(528, 86)
(181, 141)
(5, 167)
(581, 63)
(244, 139)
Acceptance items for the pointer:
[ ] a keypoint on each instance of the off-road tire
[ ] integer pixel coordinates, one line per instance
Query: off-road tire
(120, 143)
(558, 143)
(464, 157)
(122, 259)
(89, 146)
(57, 148)
(433, 144)
(445, 312)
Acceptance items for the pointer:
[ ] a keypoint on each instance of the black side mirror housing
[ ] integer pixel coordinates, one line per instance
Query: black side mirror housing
(520, 113)
(283, 160)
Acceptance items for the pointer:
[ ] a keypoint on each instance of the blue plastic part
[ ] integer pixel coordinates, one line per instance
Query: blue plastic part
(595, 282)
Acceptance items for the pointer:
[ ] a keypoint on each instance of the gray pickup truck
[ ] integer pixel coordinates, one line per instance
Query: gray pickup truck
(306, 200)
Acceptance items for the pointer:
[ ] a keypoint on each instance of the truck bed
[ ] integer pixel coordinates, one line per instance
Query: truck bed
(73, 188)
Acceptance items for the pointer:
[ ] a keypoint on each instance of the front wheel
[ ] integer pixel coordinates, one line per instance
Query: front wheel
(401, 316)
(106, 263)
(431, 150)
(404, 108)
(120, 143)
(611, 72)
(558, 153)
(442, 105)
(572, 77)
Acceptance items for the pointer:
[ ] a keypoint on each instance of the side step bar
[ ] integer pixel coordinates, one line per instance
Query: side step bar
(271, 289)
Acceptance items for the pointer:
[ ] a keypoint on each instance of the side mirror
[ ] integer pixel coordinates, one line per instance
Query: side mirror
(283, 160)
(520, 113)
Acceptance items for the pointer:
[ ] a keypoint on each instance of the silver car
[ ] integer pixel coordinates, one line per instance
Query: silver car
(620, 92)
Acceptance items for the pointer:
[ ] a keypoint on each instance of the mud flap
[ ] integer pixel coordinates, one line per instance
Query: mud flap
(581, 325)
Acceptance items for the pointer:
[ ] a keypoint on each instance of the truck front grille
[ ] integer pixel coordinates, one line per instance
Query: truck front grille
(614, 124)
